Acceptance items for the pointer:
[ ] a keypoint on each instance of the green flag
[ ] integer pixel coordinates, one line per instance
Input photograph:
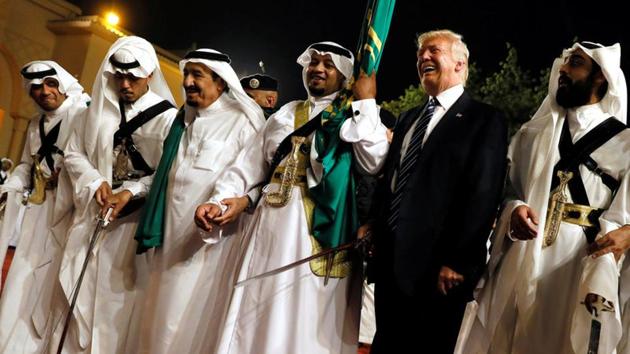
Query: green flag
(335, 217)
(374, 32)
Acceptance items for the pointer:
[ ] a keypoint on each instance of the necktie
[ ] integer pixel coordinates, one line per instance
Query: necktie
(409, 160)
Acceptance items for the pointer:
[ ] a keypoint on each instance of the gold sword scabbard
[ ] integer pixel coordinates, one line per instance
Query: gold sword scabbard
(555, 210)
(121, 169)
(289, 176)
(38, 183)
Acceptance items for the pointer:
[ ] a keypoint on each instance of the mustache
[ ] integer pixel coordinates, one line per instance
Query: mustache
(564, 80)
(313, 76)
(191, 89)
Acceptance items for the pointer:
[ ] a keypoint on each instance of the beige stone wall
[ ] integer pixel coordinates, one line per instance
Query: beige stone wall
(23, 37)
(174, 79)
(94, 56)
(53, 29)
(6, 90)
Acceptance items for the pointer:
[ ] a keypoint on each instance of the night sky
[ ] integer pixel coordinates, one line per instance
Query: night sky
(276, 32)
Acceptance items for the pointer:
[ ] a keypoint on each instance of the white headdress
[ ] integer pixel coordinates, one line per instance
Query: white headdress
(341, 57)
(35, 72)
(133, 55)
(219, 63)
(608, 58)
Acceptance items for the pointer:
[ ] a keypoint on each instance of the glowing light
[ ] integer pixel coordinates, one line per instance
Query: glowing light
(112, 18)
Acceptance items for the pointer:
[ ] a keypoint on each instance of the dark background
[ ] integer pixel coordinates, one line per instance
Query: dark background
(276, 32)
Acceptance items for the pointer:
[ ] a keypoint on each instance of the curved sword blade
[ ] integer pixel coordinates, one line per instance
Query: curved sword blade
(297, 263)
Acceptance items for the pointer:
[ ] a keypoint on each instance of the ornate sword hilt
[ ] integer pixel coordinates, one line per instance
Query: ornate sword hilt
(289, 176)
(555, 210)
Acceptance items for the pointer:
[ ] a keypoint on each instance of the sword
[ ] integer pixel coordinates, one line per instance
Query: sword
(597, 307)
(102, 223)
(330, 252)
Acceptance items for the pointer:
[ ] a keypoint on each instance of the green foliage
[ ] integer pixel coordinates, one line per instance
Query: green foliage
(512, 89)
(413, 96)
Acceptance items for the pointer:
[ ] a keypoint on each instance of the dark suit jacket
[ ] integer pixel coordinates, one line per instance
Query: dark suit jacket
(450, 200)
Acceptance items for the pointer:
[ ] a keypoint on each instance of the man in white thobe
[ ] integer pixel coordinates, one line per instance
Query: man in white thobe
(191, 272)
(540, 279)
(6, 165)
(119, 142)
(314, 307)
(617, 242)
(32, 289)
(5, 171)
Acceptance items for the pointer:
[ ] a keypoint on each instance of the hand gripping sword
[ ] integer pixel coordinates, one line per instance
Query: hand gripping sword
(359, 244)
(102, 223)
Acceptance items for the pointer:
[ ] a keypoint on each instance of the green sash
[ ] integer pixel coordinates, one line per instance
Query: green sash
(150, 232)
(335, 217)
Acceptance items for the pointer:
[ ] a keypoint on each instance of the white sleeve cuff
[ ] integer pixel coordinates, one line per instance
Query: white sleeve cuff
(217, 203)
(136, 188)
(93, 186)
(364, 121)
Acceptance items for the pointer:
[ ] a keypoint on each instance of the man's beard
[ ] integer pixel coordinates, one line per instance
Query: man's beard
(316, 91)
(575, 93)
(192, 89)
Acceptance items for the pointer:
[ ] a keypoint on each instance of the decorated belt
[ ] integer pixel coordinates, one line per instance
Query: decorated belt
(560, 210)
(582, 215)
(277, 177)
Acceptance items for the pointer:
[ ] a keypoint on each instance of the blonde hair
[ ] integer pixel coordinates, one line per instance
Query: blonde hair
(458, 47)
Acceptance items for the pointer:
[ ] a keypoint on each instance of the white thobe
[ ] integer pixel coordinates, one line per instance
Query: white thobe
(624, 343)
(293, 312)
(32, 298)
(105, 312)
(367, 329)
(4, 175)
(515, 316)
(189, 277)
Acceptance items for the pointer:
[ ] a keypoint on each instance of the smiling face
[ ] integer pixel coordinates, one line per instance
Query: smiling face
(47, 94)
(202, 86)
(580, 81)
(322, 76)
(438, 68)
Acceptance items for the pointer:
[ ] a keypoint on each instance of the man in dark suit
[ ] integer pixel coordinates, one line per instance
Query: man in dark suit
(442, 187)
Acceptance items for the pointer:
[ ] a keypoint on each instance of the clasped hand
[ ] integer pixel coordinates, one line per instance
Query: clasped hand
(210, 214)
